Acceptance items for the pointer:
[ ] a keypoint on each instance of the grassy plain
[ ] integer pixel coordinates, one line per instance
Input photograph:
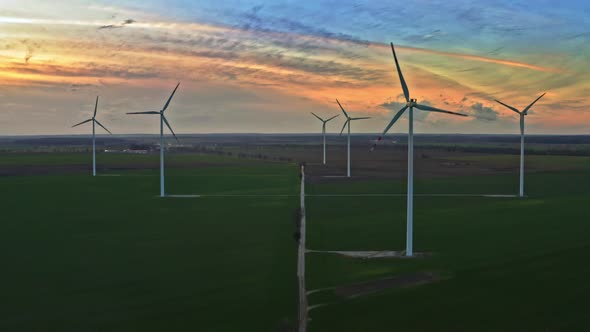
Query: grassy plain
(93, 254)
(105, 254)
(506, 264)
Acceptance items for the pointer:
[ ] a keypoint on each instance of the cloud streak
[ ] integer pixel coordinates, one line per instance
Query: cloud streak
(30, 48)
(116, 26)
(297, 50)
(484, 113)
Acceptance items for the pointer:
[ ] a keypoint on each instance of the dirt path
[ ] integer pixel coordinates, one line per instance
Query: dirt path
(362, 254)
(301, 260)
(375, 286)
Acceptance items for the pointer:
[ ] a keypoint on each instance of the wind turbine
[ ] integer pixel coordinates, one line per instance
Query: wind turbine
(522, 114)
(410, 104)
(324, 131)
(94, 121)
(162, 122)
(347, 122)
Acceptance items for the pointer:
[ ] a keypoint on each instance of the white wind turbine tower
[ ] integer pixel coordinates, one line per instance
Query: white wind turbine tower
(162, 122)
(94, 121)
(411, 104)
(522, 114)
(347, 122)
(324, 132)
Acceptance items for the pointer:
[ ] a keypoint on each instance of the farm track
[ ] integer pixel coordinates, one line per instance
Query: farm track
(301, 260)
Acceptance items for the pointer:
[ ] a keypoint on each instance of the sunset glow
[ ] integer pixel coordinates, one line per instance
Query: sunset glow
(262, 67)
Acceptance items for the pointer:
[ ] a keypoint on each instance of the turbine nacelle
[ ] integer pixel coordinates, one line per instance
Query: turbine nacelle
(326, 120)
(93, 118)
(523, 112)
(348, 118)
(161, 112)
(410, 102)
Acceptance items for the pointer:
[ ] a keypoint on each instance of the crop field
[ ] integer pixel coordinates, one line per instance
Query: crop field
(493, 263)
(105, 254)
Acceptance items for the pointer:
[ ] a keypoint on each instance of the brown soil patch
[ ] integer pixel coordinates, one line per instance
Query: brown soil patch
(428, 163)
(374, 286)
(372, 254)
(24, 170)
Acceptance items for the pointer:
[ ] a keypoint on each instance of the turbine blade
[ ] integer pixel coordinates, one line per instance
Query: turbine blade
(169, 99)
(342, 108)
(95, 107)
(168, 125)
(433, 109)
(401, 76)
(103, 127)
(361, 118)
(395, 118)
(76, 125)
(531, 105)
(345, 122)
(337, 115)
(317, 116)
(150, 112)
(510, 107)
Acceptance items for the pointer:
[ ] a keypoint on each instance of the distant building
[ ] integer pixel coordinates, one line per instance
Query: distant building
(135, 151)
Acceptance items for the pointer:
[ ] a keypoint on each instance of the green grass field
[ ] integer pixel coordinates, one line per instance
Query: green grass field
(507, 264)
(105, 254)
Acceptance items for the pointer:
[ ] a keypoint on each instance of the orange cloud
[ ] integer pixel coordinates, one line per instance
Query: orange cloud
(510, 63)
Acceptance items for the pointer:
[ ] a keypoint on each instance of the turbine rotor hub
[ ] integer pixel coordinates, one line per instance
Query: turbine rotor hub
(411, 103)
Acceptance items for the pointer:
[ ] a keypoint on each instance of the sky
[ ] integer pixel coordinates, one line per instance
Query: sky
(263, 66)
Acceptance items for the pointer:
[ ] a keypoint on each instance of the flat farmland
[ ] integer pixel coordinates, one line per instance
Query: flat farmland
(497, 263)
(105, 253)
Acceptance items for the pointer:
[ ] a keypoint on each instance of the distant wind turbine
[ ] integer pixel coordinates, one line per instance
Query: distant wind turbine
(522, 114)
(94, 121)
(162, 122)
(324, 132)
(411, 104)
(347, 122)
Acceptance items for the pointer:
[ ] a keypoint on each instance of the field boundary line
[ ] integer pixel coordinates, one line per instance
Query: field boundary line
(301, 259)
(249, 195)
(416, 195)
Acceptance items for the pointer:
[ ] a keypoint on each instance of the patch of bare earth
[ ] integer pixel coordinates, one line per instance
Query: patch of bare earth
(372, 254)
(429, 163)
(375, 286)
(22, 170)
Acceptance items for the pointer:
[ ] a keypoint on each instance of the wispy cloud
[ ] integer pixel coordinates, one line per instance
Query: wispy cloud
(309, 51)
(82, 69)
(30, 48)
(484, 113)
(115, 26)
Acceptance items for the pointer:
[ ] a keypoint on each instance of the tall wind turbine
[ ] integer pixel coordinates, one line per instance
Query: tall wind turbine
(162, 122)
(522, 114)
(347, 122)
(410, 104)
(324, 131)
(94, 121)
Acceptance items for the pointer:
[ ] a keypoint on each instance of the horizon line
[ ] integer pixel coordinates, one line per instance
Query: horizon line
(284, 134)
